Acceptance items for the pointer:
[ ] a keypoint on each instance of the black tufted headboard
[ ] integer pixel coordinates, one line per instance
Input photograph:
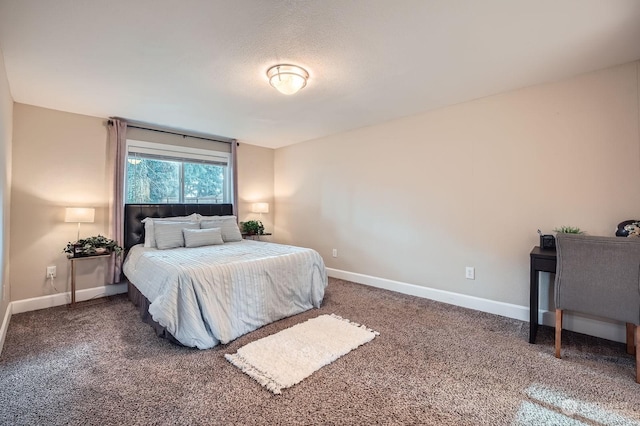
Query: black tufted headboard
(134, 214)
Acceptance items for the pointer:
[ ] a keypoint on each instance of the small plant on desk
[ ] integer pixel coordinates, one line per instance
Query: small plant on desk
(92, 246)
(568, 230)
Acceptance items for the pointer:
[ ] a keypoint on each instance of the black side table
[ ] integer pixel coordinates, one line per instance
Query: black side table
(541, 261)
(255, 236)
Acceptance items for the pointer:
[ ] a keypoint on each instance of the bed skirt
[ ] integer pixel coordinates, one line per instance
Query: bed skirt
(142, 303)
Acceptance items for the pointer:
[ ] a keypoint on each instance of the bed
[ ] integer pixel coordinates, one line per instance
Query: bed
(204, 295)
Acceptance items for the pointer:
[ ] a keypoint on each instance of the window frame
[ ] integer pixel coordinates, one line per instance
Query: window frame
(183, 154)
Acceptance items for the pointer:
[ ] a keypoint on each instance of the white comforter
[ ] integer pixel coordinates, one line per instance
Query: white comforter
(209, 295)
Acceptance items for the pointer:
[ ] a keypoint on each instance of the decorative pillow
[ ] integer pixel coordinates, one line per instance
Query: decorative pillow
(169, 234)
(202, 237)
(201, 218)
(149, 234)
(228, 226)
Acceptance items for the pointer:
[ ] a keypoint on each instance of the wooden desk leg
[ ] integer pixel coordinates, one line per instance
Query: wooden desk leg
(631, 333)
(558, 342)
(73, 284)
(637, 333)
(533, 304)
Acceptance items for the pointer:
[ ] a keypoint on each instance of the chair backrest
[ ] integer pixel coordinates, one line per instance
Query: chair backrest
(599, 276)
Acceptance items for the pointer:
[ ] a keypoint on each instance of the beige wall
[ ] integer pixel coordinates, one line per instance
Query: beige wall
(59, 160)
(418, 199)
(6, 126)
(255, 182)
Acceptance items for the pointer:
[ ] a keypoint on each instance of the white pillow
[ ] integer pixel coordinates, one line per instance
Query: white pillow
(202, 237)
(169, 234)
(201, 218)
(149, 234)
(228, 226)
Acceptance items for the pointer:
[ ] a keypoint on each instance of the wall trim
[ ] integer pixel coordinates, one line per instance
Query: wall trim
(605, 329)
(59, 299)
(5, 326)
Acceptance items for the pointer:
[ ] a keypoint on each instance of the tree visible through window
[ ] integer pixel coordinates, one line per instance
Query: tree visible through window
(203, 182)
(157, 179)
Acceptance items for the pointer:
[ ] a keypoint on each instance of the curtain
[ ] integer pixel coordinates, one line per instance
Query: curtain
(234, 175)
(117, 153)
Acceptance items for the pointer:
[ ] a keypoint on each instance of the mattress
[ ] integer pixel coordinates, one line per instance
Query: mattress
(209, 295)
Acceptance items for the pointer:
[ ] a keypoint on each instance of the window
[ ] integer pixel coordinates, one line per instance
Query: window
(159, 173)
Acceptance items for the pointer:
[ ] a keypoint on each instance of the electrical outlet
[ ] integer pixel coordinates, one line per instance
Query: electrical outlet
(334, 253)
(51, 271)
(470, 273)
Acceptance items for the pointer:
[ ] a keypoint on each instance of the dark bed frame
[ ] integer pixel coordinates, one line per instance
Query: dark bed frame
(134, 214)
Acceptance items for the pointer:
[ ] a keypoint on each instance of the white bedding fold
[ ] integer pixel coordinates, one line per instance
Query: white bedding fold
(213, 294)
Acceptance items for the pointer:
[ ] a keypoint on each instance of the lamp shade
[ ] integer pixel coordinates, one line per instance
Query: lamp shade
(79, 214)
(260, 208)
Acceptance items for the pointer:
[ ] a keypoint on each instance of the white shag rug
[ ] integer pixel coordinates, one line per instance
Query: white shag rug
(283, 359)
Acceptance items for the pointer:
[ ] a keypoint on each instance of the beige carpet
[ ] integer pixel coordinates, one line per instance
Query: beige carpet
(289, 356)
(433, 364)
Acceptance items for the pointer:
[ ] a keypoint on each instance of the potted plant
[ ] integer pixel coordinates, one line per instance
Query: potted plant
(569, 230)
(92, 246)
(252, 227)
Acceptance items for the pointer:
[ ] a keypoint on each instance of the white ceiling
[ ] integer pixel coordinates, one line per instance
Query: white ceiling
(200, 65)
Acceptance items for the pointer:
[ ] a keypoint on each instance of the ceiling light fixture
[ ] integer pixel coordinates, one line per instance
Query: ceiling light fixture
(287, 79)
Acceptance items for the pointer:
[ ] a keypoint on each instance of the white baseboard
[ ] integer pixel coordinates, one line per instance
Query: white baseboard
(5, 326)
(60, 299)
(600, 328)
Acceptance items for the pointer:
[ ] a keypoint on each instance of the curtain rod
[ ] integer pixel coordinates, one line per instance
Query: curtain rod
(177, 133)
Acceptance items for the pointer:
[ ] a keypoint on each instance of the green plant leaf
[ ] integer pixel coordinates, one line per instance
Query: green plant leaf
(252, 227)
(568, 230)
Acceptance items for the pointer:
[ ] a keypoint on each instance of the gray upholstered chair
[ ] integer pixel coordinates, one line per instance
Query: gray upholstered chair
(599, 276)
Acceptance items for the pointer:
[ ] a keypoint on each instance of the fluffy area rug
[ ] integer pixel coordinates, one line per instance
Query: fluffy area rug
(286, 358)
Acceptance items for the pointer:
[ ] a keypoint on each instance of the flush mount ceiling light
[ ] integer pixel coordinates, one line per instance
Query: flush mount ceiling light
(287, 79)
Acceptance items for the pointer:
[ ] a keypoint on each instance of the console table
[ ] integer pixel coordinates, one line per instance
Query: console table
(541, 261)
(255, 236)
(73, 261)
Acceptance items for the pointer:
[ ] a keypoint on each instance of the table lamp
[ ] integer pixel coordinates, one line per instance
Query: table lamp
(80, 215)
(260, 208)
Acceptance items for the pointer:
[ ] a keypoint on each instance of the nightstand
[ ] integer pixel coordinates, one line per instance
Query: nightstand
(73, 261)
(255, 236)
